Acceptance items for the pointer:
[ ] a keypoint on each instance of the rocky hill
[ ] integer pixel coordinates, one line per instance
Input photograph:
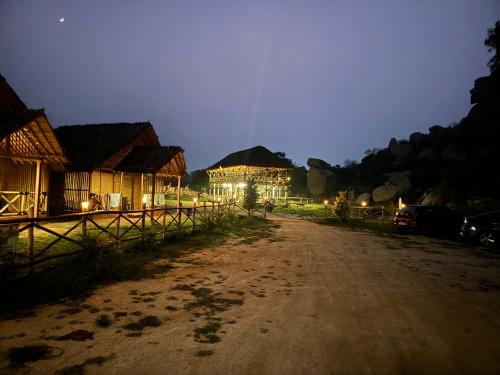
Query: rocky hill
(456, 164)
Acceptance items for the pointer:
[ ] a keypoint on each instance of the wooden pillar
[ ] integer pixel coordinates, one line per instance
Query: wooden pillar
(37, 188)
(153, 191)
(142, 190)
(121, 184)
(178, 191)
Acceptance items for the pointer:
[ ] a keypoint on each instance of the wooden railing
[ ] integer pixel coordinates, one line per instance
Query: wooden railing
(41, 240)
(380, 214)
(19, 203)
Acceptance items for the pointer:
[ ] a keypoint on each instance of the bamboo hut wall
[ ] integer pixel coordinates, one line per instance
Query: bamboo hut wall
(76, 189)
(137, 197)
(20, 177)
(129, 188)
(101, 182)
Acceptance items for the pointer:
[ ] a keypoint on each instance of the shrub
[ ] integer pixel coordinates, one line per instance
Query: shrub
(251, 196)
(341, 206)
(103, 321)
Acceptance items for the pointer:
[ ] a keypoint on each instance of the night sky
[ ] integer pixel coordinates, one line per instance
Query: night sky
(325, 79)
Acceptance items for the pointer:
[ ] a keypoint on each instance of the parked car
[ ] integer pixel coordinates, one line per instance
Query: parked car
(483, 229)
(428, 219)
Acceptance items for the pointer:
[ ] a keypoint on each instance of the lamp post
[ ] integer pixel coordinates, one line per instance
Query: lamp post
(325, 202)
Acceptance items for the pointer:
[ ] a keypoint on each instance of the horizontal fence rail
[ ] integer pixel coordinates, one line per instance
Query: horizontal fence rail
(33, 241)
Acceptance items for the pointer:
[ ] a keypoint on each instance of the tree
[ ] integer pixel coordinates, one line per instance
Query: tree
(251, 196)
(341, 206)
(492, 41)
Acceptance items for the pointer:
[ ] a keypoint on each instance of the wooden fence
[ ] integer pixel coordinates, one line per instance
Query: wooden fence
(16, 202)
(379, 214)
(41, 240)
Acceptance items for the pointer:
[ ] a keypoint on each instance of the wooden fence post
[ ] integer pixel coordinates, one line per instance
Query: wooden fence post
(382, 214)
(143, 223)
(30, 234)
(117, 232)
(179, 217)
(84, 227)
(194, 215)
(265, 210)
(213, 210)
(163, 230)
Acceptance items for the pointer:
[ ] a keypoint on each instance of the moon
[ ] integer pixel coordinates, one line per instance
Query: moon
(61, 19)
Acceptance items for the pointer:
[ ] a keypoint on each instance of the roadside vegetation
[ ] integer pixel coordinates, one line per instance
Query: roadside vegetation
(80, 274)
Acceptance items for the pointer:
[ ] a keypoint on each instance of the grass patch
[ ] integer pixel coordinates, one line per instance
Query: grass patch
(80, 274)
(78, 335)
(80, 368)
(103, 321)
(206, 298)
(207, 333)
(147, 321)
(19, 356)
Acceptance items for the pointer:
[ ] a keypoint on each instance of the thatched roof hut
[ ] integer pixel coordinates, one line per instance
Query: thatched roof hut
(268, 170)
(257, 156)
(103, 146)
(118, 158)
(161, 160)
(29, 151)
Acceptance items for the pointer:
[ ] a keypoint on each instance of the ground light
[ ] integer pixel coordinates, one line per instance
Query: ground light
(85, 206)
(325, 202)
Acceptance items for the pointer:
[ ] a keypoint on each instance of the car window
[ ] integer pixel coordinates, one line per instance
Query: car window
(408, 210)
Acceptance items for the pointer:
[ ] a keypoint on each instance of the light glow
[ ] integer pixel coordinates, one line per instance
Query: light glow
(85, 206)
(363, 204)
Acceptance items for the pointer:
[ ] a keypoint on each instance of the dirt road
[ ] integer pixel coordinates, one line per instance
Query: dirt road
(311, 299)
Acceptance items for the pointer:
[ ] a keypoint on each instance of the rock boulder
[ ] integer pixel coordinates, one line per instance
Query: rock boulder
(418, 139)
(365, 197)
(454, 153)
(318, 163)
(384, 193)
(399, 150)
(320, 181)
(428, 153)
(401, 182)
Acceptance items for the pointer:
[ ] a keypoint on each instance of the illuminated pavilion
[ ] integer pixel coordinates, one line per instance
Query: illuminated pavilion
(228, 178)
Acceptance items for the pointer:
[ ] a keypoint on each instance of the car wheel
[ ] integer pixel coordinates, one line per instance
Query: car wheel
(487, 239)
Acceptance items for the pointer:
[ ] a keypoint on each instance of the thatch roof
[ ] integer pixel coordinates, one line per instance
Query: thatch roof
(258, 156)
(26, 134)
(153, 160)
(9, 100)
(13, 121)
(89, 146)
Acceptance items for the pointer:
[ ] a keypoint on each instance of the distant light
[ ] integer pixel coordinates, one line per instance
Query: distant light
(403, 205)
(61, 19)
(325, 202)
(473, 228)
(288, 178)
(363, 204)
(144, 199)
(195, 200)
